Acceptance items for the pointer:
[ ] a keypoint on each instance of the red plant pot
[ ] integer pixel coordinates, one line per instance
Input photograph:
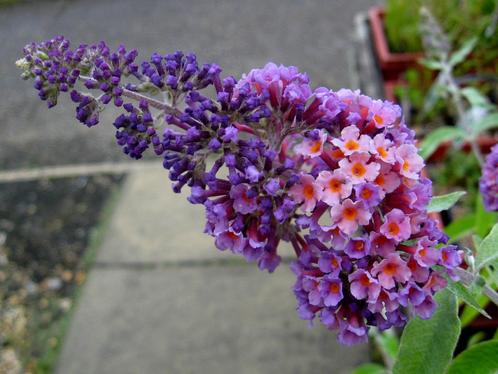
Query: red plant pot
(392, 65)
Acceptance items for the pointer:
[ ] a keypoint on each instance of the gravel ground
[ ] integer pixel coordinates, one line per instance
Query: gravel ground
(45, 229)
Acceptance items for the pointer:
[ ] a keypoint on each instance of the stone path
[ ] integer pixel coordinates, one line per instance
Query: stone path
(162, 299)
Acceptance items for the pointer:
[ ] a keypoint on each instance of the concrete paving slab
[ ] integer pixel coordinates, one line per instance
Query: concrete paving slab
(153, 224)
(214, 319)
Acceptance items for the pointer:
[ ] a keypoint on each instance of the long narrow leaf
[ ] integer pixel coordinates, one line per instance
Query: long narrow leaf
(468, 294)
(463, 52)
(437, 137)
(444, 202)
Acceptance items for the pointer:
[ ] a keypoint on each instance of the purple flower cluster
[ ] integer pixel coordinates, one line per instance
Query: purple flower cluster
(369, 255)
(336, 174)
(488, 183)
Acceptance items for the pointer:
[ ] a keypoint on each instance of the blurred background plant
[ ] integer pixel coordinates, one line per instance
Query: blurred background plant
(459, 21)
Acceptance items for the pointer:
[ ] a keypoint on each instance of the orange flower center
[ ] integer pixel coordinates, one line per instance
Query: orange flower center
(366, 194)
(337, 153)
(444, 256)
(422, 253)
(358, 246)
(352, 145)
(406, 166)
(335, 185)
(380, 180)
(308, 192)
(232, 235)
(334, 263)
(390, 269)
(364, 281)
(316, 146)
(358, 169)
(393, 228)
(382, 152)
(350, 214)
(378, 119)
(334, 288)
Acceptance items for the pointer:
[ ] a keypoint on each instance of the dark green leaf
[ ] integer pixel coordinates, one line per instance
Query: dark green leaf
(437, 137)
(487, 252)
(481, 358)
(369, 369)
(444, 202)
(427, 345)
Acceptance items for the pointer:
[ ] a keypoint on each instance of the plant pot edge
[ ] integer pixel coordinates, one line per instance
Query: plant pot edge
(391, 64)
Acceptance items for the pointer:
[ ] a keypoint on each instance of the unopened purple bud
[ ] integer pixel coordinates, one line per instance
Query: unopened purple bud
(118, 101)
(75, 96)
(253, 174)
(230, 134)
(90, 84)
(105, 99)
(172, 81)
(214, 144)
(272, 187)
(230, 160)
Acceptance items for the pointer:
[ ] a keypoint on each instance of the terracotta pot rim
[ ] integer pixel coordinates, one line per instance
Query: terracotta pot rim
(376, 15)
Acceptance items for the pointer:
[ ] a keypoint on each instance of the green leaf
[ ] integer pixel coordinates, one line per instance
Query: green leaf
(369, 369)
(437, 137)
(469, 313)
(444, 202)
(427, 345)
(487, 123)
(468, 294)
(487, 252)
(475, 97)
(460, 227)
(481, 358)
(431, 64)
(463, 52)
